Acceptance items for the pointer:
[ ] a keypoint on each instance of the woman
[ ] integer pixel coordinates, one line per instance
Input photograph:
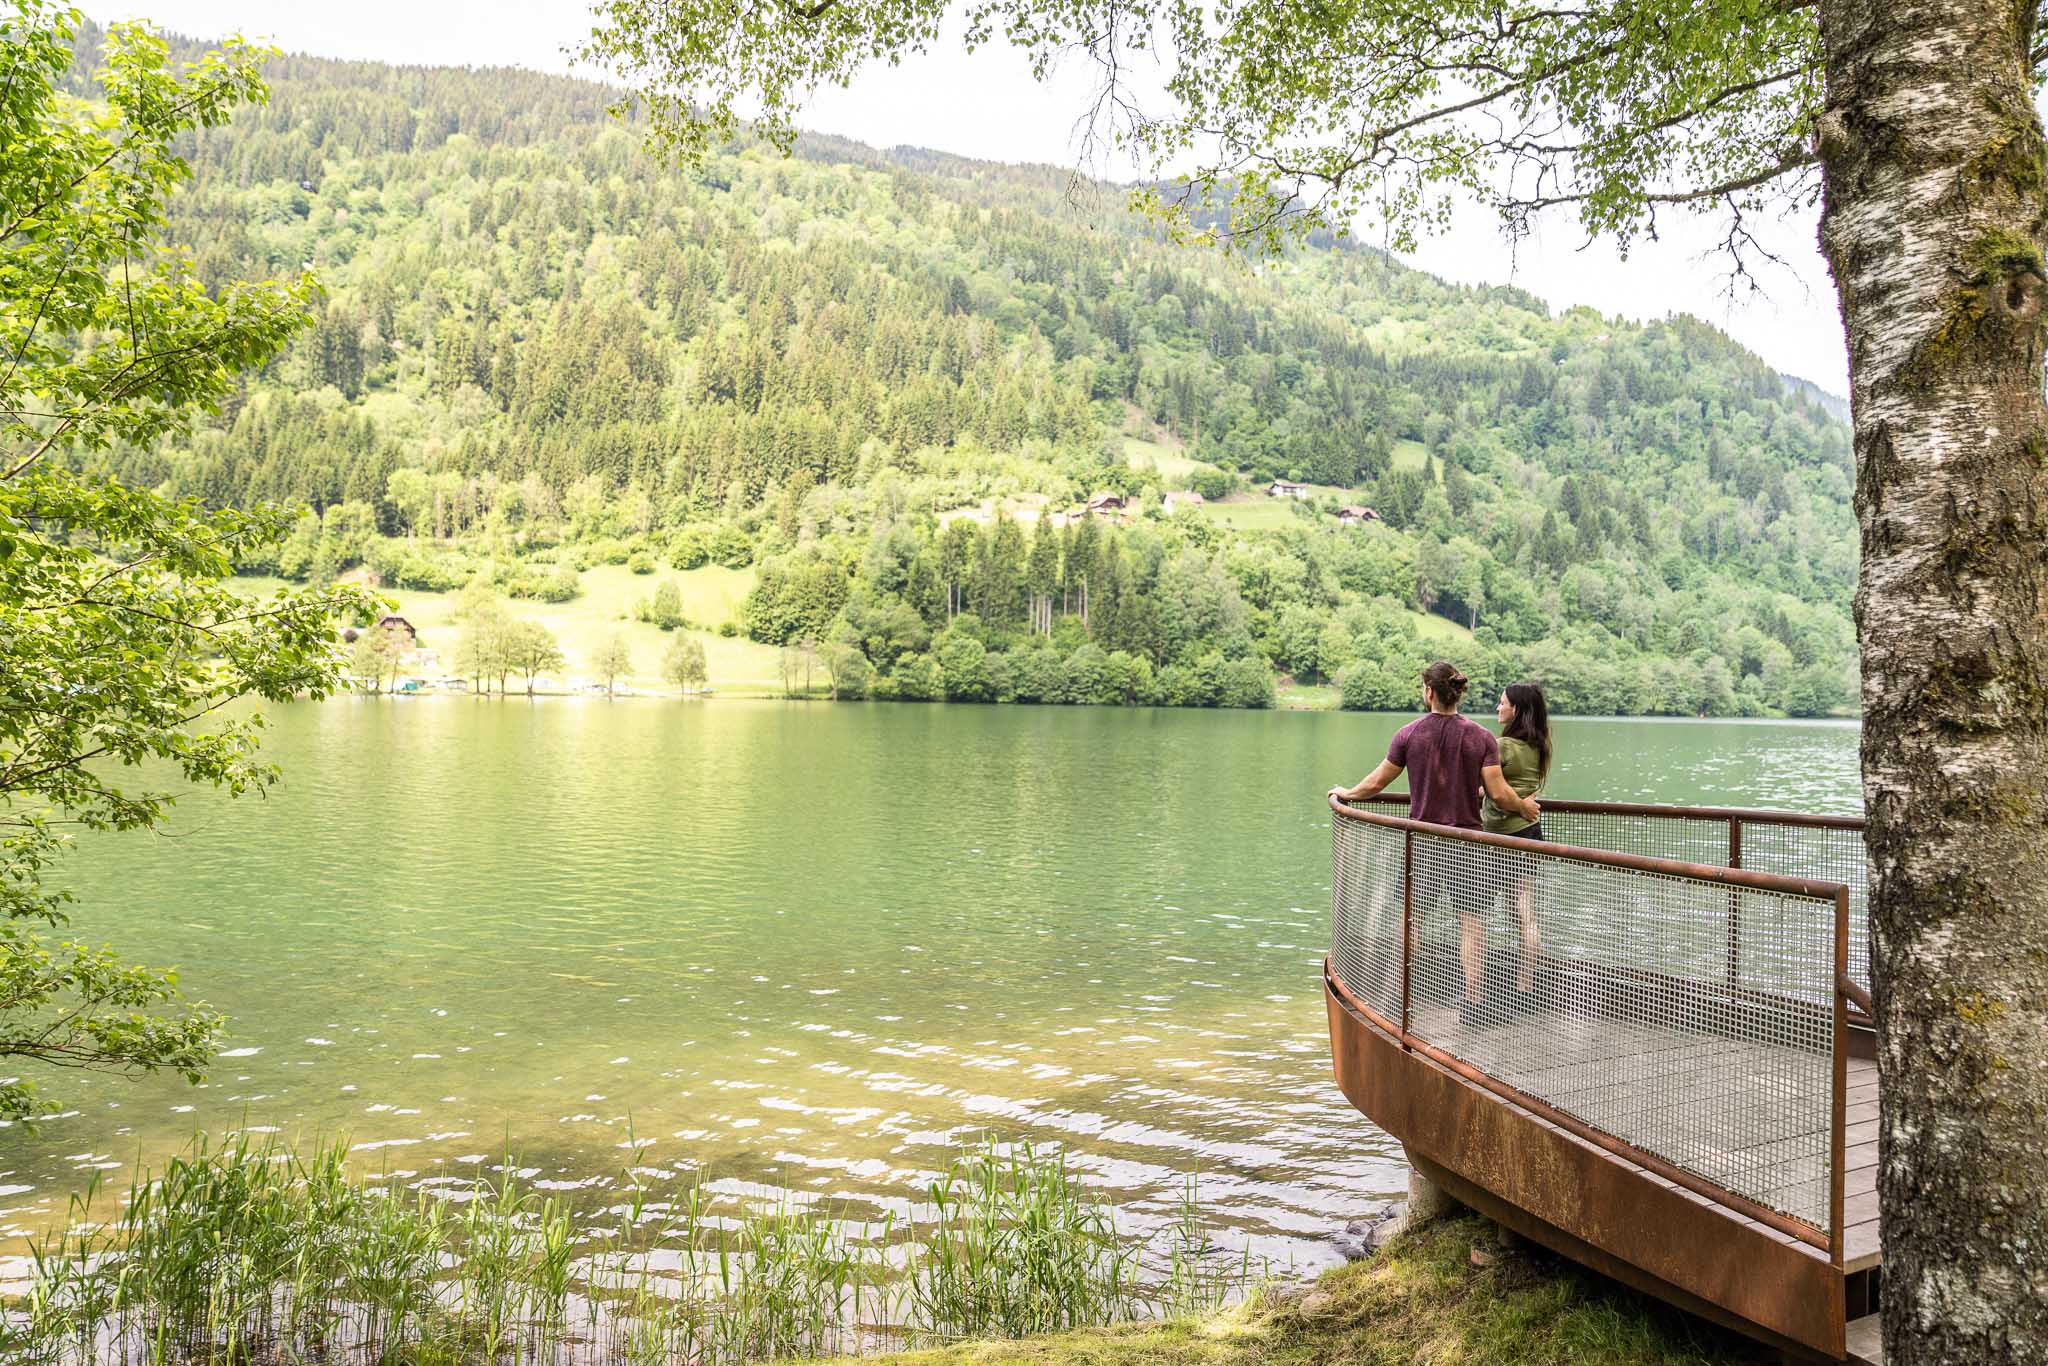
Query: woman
(1525, 754)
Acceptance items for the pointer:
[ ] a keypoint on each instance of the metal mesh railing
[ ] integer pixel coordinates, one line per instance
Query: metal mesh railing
(1600, 988)
(1762, 841)
(1784, 843)
(1366, 913)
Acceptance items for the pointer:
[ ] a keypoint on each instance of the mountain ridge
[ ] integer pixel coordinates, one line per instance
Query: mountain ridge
(540, 348)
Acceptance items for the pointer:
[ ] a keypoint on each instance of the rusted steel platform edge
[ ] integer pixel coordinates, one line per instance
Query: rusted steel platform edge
(1700, 1186)
(1586, 1195)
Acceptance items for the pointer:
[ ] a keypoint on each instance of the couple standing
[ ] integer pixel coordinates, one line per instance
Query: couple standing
(1460, 775)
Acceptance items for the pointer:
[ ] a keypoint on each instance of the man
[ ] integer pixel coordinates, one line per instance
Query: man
(1449, 760)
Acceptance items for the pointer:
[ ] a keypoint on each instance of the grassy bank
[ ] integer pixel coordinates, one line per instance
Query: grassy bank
(257, 1253)
(1419, 1300)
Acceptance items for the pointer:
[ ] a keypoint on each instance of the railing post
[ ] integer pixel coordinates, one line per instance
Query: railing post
(1734, 907)
(1407, 923)
(1839, 1108)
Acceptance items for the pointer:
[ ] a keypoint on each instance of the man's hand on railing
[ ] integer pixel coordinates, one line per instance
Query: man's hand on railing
(1342, 794)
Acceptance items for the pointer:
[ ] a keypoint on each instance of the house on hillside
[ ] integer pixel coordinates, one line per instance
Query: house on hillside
(1176, 499)
(1355, 515)
(1106, 504)
(1284, 488)
(400, 629)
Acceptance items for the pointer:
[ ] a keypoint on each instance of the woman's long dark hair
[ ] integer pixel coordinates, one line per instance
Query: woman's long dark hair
(1531, 723)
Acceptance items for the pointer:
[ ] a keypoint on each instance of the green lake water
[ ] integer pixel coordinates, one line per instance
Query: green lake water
(813, 946)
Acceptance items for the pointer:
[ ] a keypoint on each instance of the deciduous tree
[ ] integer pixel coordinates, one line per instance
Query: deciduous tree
(613, 661)
(119, 642)
(532, 649)
(683, 664)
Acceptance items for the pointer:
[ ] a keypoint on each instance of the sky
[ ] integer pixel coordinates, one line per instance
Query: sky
(986, 105)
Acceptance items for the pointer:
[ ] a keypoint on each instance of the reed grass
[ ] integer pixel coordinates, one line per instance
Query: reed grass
(252, 1253)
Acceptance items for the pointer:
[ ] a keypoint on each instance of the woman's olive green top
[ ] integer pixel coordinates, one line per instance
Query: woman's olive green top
(1522, 766)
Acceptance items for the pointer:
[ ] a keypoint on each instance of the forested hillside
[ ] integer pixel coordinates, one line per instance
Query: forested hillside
(866, 377)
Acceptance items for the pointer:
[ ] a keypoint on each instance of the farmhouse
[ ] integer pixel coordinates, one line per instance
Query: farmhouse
(1354, 515)
(1106, 503)
(1176, 499)
(1283, 488)
(400, 629)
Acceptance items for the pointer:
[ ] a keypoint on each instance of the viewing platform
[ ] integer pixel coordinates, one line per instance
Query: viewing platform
(1685, 1096)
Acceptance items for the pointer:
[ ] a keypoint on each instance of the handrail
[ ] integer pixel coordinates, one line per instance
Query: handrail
(1857, 996)
(1749, 815)
(1639, 863)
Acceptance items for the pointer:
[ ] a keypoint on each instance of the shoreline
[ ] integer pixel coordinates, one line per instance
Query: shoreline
(1455, 1289)
(743, 693)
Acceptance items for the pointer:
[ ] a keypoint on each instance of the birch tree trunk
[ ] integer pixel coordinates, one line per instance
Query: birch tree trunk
(1933, 224)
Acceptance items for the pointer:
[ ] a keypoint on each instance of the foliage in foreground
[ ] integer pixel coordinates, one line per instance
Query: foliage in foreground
(118, 642)
(1420, 1300)
(253, 1251)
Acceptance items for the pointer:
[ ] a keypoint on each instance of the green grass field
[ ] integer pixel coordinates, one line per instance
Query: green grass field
(1309, 697)
(710, 595)
(1251, 512)
(1430, 626)
(1173, 465)
(1409, 455)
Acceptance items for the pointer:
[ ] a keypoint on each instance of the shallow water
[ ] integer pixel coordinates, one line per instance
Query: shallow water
(813, 945)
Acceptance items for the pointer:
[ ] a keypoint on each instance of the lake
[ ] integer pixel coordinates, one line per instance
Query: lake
(784, 944)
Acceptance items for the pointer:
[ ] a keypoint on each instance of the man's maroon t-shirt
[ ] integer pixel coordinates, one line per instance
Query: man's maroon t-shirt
(1443, 756)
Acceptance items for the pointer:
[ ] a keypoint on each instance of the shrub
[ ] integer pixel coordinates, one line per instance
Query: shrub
(732, 547)
(665, 608)
(1037, 675)
(559, 584)
(918, 679)
(641, 562)
(1087, 676)
(691, 548)
(1374, 687)
(963, 662)
(1246, 683)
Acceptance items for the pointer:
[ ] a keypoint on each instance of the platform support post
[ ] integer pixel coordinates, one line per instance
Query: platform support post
(1426, 1199)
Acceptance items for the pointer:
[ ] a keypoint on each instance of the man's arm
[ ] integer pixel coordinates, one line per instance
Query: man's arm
(1505, 797)
(1373, 784)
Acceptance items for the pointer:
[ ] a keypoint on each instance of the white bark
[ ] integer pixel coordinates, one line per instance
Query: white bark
(1933, 226)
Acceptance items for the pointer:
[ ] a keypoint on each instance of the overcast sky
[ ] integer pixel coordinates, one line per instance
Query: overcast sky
(988, 106)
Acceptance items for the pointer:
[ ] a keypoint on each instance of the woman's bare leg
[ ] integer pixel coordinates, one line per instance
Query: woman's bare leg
(1532, 937)
(1472, 955)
